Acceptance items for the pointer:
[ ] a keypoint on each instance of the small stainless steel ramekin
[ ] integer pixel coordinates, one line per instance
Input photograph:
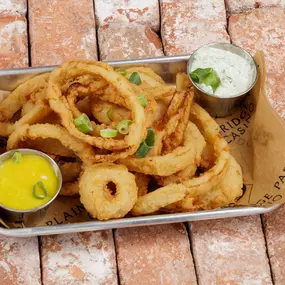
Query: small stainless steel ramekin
(30, 217)
(221, 106)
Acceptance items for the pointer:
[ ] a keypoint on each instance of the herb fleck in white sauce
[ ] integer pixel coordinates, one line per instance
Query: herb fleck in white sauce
(235, 72)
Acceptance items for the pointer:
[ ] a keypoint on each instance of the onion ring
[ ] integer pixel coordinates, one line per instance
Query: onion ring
(180, 176)
(174, 140)
(148, 77)
(27, 107)
(34, 87)
(84, 151)
(106, 112)
(172, 162)
(100, 71)
(6, 129)
(95, 194)
(160, 92)
(158, 199)
(200, 185)
(228, 189)
(35, 115)
(182, 82)
(142, 181)
(48, 145)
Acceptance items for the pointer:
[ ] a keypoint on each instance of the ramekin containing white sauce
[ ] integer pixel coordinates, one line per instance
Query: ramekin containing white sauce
(222, 74)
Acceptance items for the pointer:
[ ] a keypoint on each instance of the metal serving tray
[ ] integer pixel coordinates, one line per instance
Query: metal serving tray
(166, 67)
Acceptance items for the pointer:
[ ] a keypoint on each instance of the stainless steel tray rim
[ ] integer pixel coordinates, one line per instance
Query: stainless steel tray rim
(137, 221)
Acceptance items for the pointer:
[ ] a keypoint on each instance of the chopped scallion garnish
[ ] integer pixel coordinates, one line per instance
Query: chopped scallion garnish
(16, 158)
(109, 114)
(123, 127)
(146, 146)
(83, 124)
(40, 191)
(143, 100)
(208, 76)
(121, 71)
(135, 78)
(108, 133)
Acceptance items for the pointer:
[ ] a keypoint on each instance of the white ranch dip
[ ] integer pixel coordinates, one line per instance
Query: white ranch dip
(235, 72)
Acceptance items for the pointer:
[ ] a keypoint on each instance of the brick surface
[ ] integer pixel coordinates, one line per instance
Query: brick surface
(274, 224)
(120, 41)
(143, 12)
(157, 255)
(62, 30)
(19, 261)
(187, 25)
(230, 251)
(13, 7)
(87, 258)
(13, 42)
(240, 6)
(275, 90)
(264, 29)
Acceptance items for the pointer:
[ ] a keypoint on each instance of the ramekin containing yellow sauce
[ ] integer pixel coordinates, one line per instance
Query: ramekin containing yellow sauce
(29, 181)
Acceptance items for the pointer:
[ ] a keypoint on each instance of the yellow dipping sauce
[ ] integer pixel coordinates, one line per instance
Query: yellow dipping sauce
(17, 180)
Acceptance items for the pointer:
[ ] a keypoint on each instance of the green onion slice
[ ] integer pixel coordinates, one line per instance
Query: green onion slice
(39, 190)
(135, 78)
(146, 146)
(208, 76)
(109, 114)
(121, 71)
(83, 124)
(123, 127)
(16, 158)
(143, 100)
(108, 133)
(213, 80)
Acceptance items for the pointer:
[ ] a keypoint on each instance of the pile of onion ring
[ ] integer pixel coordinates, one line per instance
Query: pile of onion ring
(127, 143)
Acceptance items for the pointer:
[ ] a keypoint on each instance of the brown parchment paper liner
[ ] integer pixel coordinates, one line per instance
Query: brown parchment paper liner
(256, 135)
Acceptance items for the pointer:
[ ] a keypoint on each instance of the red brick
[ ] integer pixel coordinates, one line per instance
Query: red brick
(240, 6)
(19, 261)
(157, 255)
(13, 7)
(187, 25)
(80, 258)
(281, 109)
(122, 41)
(61, 30)
(13, 42)
(275, 90)
(274, 224)
(230, 251)
(264, 29)
(142, 12)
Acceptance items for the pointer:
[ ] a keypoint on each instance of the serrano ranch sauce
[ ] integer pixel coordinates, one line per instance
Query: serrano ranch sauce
(17, 181)
(235, 72)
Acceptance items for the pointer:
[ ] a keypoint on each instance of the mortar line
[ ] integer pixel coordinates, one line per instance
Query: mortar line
(96, 32)
(266, 248)
(28, 36)
(188, 229)
(227, 20)
(40, 259)
(160, 26)
(116, 257)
